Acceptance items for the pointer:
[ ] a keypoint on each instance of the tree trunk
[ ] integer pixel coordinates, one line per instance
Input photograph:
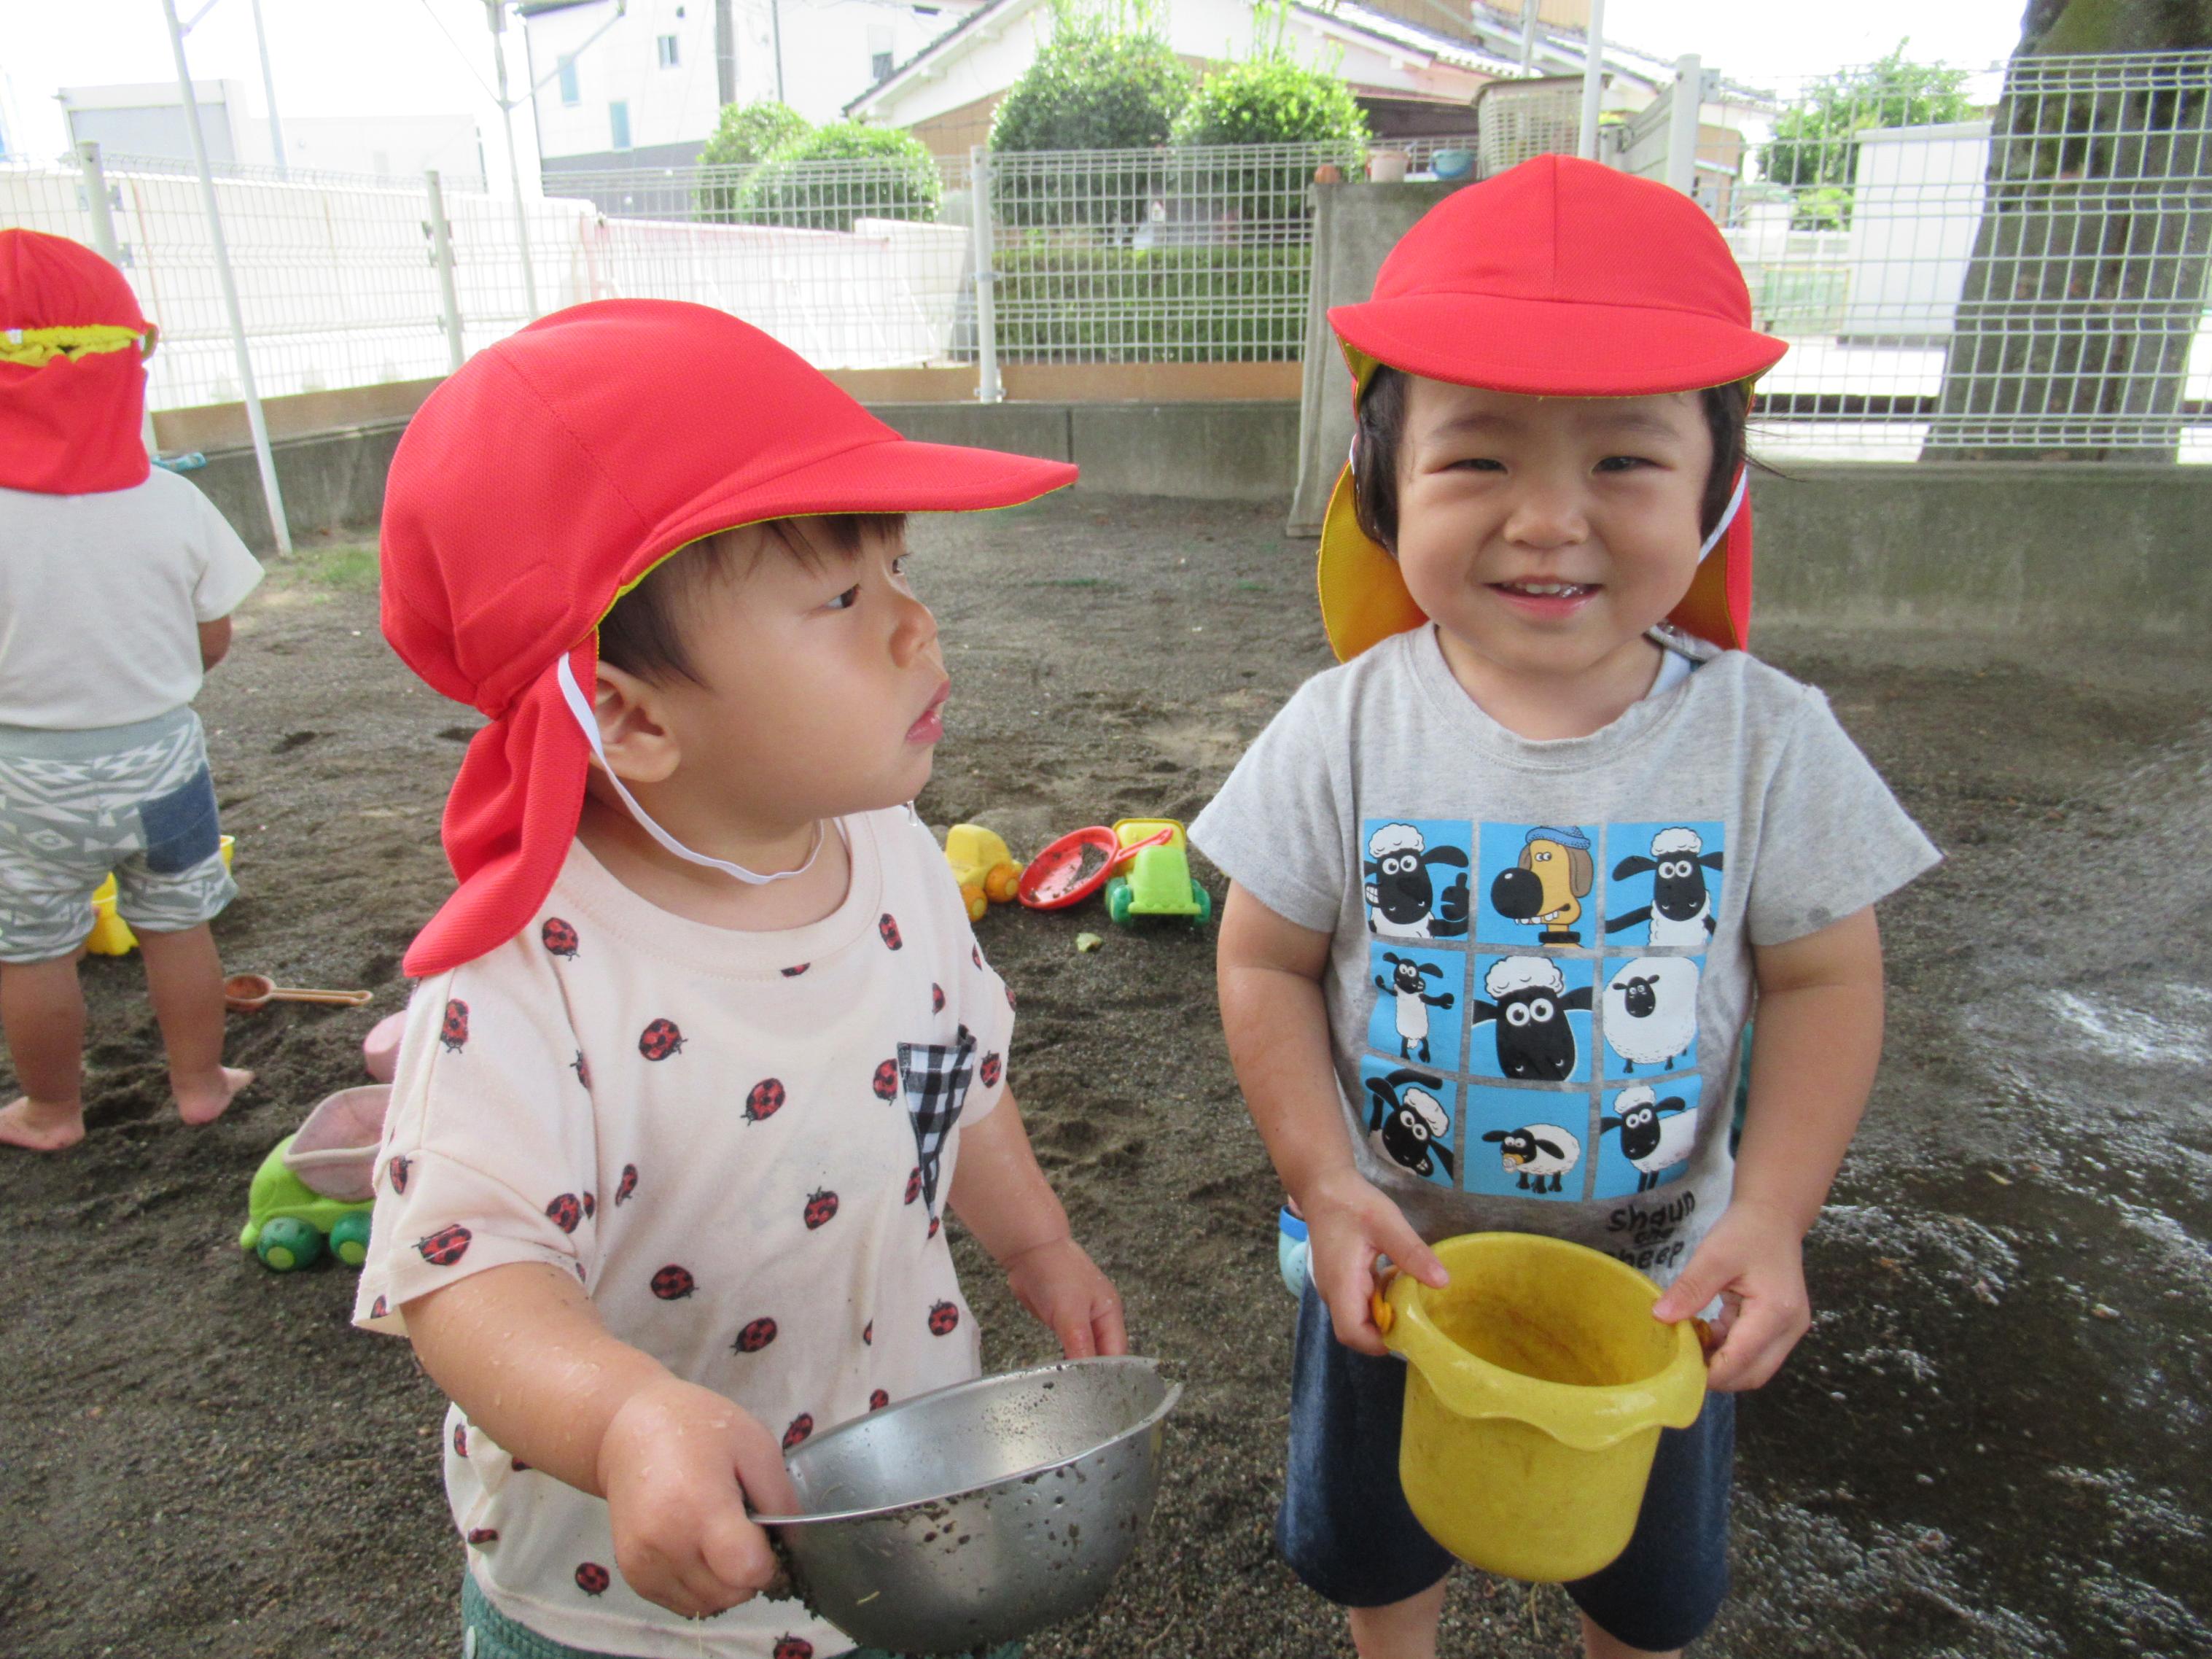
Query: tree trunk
(2088, 279)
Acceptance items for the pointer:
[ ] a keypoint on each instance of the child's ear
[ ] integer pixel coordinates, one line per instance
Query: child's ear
(633, 730)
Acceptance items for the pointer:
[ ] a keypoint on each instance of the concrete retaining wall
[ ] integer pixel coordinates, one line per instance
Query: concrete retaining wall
(1996, 549)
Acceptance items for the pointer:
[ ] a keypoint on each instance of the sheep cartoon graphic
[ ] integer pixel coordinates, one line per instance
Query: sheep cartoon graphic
(1528, 1005)
(1403, 900)
(1412, 1123)
(1414, 1001)
(1682, 908)
(1656, 1135)
(1651, 1010)
(1540, 1153)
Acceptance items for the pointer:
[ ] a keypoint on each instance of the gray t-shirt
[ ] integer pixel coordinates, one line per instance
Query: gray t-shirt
(1542, 965)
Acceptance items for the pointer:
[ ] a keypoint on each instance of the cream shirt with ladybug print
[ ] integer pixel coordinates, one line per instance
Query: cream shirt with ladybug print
(741, 1144)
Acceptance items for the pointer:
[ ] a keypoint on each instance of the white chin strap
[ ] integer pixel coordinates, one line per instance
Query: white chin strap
(580, 707)
(1728, 516)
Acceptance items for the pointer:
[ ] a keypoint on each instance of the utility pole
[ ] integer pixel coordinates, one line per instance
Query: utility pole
(496, 11)
(255, 423)
(269, 86)
(1592, 81)
(775, 29)
(726, 52)
(1528, 10)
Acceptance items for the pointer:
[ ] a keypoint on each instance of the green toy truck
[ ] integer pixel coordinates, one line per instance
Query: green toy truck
(314, 1191)
(1157, 880)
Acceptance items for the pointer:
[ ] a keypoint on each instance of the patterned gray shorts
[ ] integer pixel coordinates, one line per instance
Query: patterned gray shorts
(135, 801)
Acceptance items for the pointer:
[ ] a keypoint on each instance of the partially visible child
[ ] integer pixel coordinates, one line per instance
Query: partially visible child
(703, 1048)
(1506, 883)
(117, 584)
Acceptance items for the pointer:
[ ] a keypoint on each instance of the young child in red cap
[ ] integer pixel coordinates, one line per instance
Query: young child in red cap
(1505, 882)
(117, 583)
(703, 1048)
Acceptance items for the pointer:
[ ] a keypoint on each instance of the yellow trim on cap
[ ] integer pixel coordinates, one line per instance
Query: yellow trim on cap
(35, 348)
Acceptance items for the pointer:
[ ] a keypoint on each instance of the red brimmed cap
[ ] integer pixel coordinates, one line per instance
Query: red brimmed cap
(1559, 278)
(550, 474)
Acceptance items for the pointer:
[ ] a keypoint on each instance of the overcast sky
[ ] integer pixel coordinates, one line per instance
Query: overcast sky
(433, 56)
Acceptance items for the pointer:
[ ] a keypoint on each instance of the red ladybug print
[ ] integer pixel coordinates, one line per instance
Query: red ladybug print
(801, 1426)
(943, 1317)
(454, 1033)
(629, 1183)
(1010, 996)
(582, 1068)
(975, 955)
(559, 938)
(764, 1099)
(991, 1067)
(820, 1207)
(793, 973)
(480, 1536)
(592, 1578)
(446, 1246)
(868, 1334)
(565, 1212)
(520, 1465)
(934, 1224)
(792, 1647)
(591, 1206)
(460, 1440)
(914, 1184)
(398, 1171)
(936, 998)
(377, 1310)
(673, 1283)
(756, 1336)
(887, 1080)
(659, 1040)
(878, 1400)
(889, 929)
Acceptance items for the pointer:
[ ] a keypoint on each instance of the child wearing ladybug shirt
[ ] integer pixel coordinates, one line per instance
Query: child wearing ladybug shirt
(1506, 882)
(703, 1049)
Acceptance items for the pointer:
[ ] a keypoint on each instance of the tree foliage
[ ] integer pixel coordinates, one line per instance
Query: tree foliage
(1271, 99)
(1814, 149)
(887, 174)
(746, 134)
(1094, 86)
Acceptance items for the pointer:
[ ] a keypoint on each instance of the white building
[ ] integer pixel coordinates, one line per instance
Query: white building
(648, 91)
(148, 119)
(1415, 65)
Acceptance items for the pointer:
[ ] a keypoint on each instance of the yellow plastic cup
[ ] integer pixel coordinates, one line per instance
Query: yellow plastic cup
(1536, 1387)
(110, 936)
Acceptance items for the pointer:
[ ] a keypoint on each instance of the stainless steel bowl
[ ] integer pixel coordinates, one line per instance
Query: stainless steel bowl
(967, 1517)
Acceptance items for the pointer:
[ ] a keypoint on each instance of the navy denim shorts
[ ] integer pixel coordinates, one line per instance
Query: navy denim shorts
(1346, 1529)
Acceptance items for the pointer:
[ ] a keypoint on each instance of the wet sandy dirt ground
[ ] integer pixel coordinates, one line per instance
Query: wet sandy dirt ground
(1991, 1443)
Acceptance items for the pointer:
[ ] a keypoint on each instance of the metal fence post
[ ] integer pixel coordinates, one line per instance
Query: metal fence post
(104, 242)
(1682, 125)
(988, 389)
(441, 255)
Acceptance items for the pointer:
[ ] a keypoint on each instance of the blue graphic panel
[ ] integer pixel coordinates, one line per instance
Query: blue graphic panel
(1526, 1142)
(1650, 1006)
(1664, 888)
(1645, 1136)
(1414, 876)
(1416, 1004)
(1534, 882)
(1532, 1018)
(1411, 1118)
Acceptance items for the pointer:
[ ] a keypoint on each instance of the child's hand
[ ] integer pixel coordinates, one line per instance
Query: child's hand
(1062, 1287)
(1753, 1260)
(679, 1464)
(1349, 1222)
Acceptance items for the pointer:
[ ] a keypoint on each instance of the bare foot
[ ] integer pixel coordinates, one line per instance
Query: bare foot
(40, 1127)
(205, 1103)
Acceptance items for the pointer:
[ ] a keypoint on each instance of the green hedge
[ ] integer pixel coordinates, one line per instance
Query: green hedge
(887, 174)
(1174, 305)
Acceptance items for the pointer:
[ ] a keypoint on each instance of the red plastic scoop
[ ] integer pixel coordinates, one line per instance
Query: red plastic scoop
(1077, 865)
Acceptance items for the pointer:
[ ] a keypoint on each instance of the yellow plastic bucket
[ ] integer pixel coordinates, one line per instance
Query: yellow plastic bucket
(110, 936)
(1536, 1387)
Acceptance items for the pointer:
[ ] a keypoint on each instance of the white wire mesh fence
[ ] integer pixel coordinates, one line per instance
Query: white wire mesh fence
(2009, 268)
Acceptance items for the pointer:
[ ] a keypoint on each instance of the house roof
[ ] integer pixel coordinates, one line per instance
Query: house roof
(1495, 49)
